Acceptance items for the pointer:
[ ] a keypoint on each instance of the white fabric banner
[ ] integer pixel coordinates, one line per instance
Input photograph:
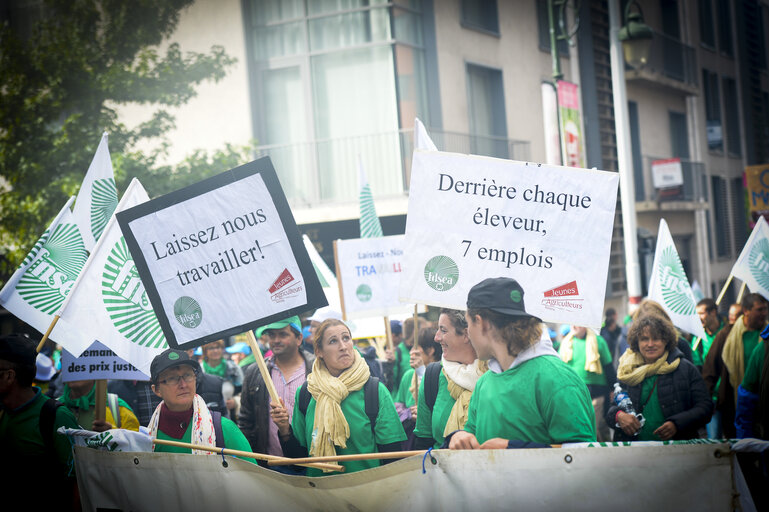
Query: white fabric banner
(669, 286)
(97, 198)
(472, 218)
(369, 270)
(109, 303)
(752, 266)
(421, 139)
(37, 290)
(98, 362)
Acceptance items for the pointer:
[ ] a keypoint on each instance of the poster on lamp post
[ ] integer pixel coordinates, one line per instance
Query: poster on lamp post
(757, 192)
(571, 124)
(221, 256)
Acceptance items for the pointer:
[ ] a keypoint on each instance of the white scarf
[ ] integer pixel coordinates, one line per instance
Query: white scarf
(466, 375)
(203, 433)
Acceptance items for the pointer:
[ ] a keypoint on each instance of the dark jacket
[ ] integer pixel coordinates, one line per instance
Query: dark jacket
(683, 398)
(714, 369)
(254, 415)
(209, 387)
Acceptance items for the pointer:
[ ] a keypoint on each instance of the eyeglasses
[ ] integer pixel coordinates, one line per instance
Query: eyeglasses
(174, 381)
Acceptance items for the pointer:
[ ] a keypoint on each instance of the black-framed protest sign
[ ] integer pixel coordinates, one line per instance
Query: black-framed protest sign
(221, 256)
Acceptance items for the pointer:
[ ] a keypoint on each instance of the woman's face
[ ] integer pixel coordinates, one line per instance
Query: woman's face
(214, 353)
(451, 342)
(336, 349)
(650, 347)
(176, 386)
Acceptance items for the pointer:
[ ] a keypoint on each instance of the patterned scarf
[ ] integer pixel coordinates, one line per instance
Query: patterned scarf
(202, 425)
(632, 369)
(592, 356)
(461, 383)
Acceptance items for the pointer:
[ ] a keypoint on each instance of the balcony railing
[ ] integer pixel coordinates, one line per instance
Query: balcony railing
(670, 61)
(324, 171)
(693, 188)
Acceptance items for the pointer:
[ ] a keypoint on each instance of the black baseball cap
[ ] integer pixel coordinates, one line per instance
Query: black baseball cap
(168, 359)
(501, 294)
(18, 349)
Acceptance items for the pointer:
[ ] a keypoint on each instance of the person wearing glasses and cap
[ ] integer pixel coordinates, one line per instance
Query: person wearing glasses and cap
(529, 396)
(182, 415)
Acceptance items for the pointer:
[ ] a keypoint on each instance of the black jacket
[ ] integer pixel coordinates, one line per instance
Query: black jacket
(682, 395)
(254, 415)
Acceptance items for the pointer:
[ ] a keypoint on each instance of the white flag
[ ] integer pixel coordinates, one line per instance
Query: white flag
(37, 290)
(669, 286)
(97, 199)
(752, 267)
(421, 139)
(108, 302)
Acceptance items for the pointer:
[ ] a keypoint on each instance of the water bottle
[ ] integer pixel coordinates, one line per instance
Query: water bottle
(622, 400)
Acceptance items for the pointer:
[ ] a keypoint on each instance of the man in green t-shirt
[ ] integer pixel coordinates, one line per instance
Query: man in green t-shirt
(707, 310)
(752, 417)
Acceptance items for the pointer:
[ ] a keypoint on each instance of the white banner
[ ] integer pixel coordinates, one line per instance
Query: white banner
(98, 362)
(369, 270)
(752, 266)
(548, 227)
(109, 302)
(97, 198)
(669, 286)
(421, 139)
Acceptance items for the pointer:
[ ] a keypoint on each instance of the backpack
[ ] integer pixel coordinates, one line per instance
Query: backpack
(216, 416)
(430, 382)
(370, 398)
(46, 422)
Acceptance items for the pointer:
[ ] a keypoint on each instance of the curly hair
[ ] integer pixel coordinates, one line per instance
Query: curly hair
(656, 327)
(317, 340)
(457, 319)
(519, 333)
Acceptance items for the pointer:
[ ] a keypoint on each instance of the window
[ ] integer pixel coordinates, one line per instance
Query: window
(543, 23)
(679, 135)
(725, 27)
(712, 111)
(707, 27)
(486, 108)
(720, 216)
(480, 15)
(740, 217)
(731, 112)
(635, 143)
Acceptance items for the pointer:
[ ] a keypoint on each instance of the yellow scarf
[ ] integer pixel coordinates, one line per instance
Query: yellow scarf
(733, 354)
(592, 356)
(331, 427)
(461, 395)
(632, 369)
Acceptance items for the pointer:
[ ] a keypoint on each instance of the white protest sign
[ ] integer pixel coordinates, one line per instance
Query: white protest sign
(752, 266)
(369, 270)
(98, 362)
(548, 227)
(222, 256)
(667, 173)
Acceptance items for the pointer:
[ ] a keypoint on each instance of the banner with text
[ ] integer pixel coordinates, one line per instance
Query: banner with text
(757, 192)
(369, 271)
(548, 227)
(221, 256)
(98, 362)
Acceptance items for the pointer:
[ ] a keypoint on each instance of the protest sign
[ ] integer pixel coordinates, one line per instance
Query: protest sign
(752, 267)
(670, 287)
(757, 192)
(98, 362)
(369, 270)
(548, 227)
(221, 256)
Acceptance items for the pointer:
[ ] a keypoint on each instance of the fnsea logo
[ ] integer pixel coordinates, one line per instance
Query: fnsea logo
(441, 273)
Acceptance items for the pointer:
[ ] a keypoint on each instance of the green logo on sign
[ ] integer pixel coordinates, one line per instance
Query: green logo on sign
(126, 301)
(188, 312)
(54, 264)
(515, 296)
(441, 273)
(676, 292)
(364, 293)
(103, 205)
(758, 259)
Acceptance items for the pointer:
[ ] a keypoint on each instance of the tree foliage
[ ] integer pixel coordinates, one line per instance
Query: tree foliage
(67, 67)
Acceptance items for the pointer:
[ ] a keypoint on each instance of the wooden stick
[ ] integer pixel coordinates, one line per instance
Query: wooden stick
(257, 456)
(388, 333)
(339, 283)
(47, 333)
(742, 291)
(346, 458)
(262, 366)
(100, 411)
(723, 290)
(416, 325)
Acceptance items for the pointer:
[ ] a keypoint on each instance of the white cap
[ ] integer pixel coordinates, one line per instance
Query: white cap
(324, 314)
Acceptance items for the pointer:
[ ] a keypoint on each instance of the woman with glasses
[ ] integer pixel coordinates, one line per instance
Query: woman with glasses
(183, 415)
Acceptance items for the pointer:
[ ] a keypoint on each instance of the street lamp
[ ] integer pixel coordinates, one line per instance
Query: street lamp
(635, 36)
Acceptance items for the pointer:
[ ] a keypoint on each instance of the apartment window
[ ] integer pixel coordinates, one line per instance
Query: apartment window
(707, 25)
(543, 23)
(486, 106)
(712, 111)
(731, 112)
(480, 15)
(679, 135)
(720, 216)
(635, 143)
(725, 27)
(739, 208)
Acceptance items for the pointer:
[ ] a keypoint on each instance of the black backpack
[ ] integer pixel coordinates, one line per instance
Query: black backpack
(370, 398)
(46, 422)
(430, 382)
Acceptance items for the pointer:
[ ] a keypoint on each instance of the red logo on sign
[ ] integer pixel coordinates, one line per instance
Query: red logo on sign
(565, 290)
(283, 279)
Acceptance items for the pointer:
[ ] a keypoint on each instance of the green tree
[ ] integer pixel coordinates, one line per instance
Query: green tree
(67, 66)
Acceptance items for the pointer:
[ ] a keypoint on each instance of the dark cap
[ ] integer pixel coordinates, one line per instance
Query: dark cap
(501, 294)
(170, 358)
(396, 327)
(18, 349)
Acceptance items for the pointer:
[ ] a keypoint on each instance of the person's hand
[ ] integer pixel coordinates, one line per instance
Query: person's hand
(279, 415)
(666, 431)
(495, 444)
(464, 441)
(389, 355)
(101, 426)
(413, 410)
(628, 423)
(415, 360)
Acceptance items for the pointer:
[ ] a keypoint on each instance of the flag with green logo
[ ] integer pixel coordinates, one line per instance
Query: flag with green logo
(325, 276)
(37, 290)
(752, 267)
(369, 222)
(97, 199)
(108, 302)
(670, 287)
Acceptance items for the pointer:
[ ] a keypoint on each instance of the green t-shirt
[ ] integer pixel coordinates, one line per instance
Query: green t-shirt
(700, 347)
(400, 367)
(541, 400)
(388, 428)
(20, 433)
(652, 411)
(752, 379)
(404, 395)
(579, 357)
(749, 344)
(233, 440)
(432, 423)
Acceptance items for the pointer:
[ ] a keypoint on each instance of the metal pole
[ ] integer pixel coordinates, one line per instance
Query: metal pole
(624, 157)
